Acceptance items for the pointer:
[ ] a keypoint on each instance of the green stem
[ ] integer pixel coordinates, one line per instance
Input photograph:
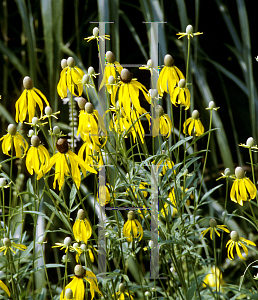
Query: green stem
(49, 286)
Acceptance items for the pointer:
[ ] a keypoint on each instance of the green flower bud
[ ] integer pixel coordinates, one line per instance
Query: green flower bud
(35, 141)
(111, 79)
(30, 133)
(83, 247)
(239, 172)
(68, 294)
(168, 60)
(85, 79)
(48, 111)
(151, 244)
(40, 240)
(195, 114)
(121, 288)
(81, 102)
(81, 214)
(63, 63)
(159, 110)
(70, 62)
(67, 241)
(89, 108)
(213, 223)
(153, 93)
(56, 130)
(189, 29)
(131, 215)
(150, 63)
(6, 242)
(110, 57)
(79, 270)
(35, 120)
(227, 172)
(2, 182)
(91, 71)
(234, 236)
(95, 31)
(147, 294)
(27, 83)
(211, 104)
(250, 142)
(182, 83)
(75, 245)
(11, 129)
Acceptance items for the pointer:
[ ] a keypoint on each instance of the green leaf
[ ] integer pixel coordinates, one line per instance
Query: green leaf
(73, 194)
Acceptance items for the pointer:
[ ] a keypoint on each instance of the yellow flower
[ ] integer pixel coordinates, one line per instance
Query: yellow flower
(237, 241)
(37, 157)
(169, 76)
(8, 244)
(194, 123)
(111, 69)
(77, 285)
(71, 78)
(181, 95)
(61, 160)
(96, 36)
(81, 229)
(120, 295)
(213, 279)
(103, 195)
(5, 288)
(27, 101)
(188, 32)
(166, 163)
(242, 189)
(18, 141)
(214, 227)
(136, 125)
(172, 199)
(129, 93)
(132, 228)
(88, 126)
(163, 123)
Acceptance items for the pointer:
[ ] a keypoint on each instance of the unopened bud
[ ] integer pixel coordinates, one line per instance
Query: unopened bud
(68, 294)
(234, 236)
(67, 241)
(35, 120)
(85, 79)
(91, 71)
(213, 223)
(48, 111)
(2, 182)
(56, 130)
(121, 288)
(95, 31)
(70, 62)
(150, 63)
(6, 242)
(250, 142)
(111, 79)
(63, 63)
(159, 110)
(189, 29)
(211, 104)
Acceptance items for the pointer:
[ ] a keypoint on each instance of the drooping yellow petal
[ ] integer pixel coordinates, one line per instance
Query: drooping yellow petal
(5, 288)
